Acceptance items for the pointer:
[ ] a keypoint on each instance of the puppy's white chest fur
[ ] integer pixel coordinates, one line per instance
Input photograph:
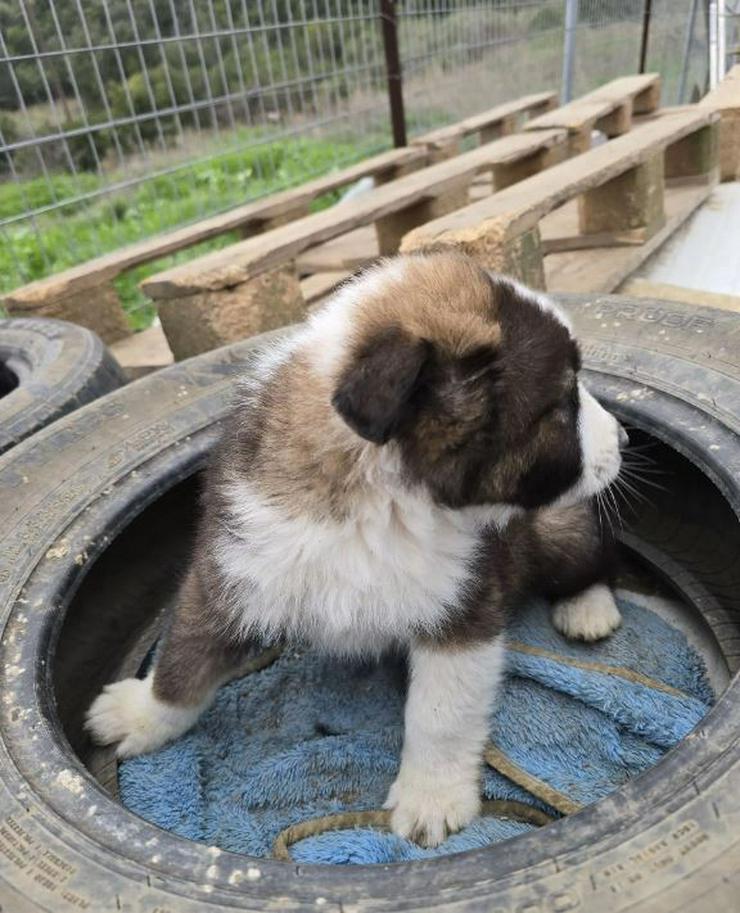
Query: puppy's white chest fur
(394, 567)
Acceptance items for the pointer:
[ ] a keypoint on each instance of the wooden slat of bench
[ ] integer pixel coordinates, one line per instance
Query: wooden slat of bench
(478, 121)
(667, 111)
(573, 116)
(102, 269)
(485, 119)
(372, 167)
(519, 207)
(594, 105)
(625, 87)
(241, 262)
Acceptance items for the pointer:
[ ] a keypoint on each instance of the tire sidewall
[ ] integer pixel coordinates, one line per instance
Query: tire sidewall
(673, 820)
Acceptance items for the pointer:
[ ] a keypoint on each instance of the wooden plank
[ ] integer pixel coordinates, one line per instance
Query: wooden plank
(96, 272)
(658, 114)
(574, 116)
(628, 238)
(604, 269)
(477, 122)
(347, 252)
(247, 259)
(626, 87)
(518, 208)
(602, 106)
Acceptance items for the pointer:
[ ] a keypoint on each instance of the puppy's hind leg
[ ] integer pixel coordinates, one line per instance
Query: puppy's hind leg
(141, 715)
(590, 615)
(577, 562)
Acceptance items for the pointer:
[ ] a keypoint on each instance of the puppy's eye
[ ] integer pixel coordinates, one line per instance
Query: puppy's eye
(560, 409)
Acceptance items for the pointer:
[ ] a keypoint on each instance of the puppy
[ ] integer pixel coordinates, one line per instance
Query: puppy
(403, 471)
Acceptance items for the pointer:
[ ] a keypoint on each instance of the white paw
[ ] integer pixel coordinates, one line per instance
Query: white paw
(591, 615)
(428, 809)
(127, 712)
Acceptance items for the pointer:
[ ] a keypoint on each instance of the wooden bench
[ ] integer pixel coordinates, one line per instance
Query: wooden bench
(84, 294)
(501, 120)
(609, 108)
(619, 187)
(613, 106)
(725, 99)
(250, 286)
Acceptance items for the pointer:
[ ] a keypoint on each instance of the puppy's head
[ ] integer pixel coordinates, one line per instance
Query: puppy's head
(475, 380)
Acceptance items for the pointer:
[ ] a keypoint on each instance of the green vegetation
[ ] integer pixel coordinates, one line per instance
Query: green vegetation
(83, 230)
(211, 156)
(235, 114)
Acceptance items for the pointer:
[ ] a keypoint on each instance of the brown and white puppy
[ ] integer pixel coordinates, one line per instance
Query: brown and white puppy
(402, 471)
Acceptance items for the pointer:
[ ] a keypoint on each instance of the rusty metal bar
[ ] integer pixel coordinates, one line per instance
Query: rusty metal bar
(646, 11)
(393, 70)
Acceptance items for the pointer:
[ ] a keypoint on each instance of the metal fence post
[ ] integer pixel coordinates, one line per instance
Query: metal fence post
(713, 40)
(569, 47)
(721, 39)
(393, 70)
(690, 25)
(646, 10)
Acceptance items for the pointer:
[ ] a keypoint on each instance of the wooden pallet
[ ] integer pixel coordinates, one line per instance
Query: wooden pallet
(147, 351)
(85, 294)
(613, 107)
(609, 108)
(252, 286)
(502, 120)
(620, 189)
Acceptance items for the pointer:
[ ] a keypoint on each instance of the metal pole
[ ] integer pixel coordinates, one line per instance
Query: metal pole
(646, 10)
(393, 70)
(713, 68)
(721, 39)
(569, 48)
(690, 25)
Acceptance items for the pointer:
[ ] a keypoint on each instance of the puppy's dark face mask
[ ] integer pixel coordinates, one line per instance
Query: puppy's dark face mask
(501, 422)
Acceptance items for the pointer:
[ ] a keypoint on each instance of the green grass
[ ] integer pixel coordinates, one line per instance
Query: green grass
(83, 229)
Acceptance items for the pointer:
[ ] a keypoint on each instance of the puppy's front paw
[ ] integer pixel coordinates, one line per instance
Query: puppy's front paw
(427, 809)
(591, 615)
(127, 712)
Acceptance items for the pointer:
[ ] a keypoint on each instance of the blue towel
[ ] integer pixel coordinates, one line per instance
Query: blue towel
(311, 736)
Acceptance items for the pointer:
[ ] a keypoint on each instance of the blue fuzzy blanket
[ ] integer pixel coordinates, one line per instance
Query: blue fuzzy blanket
(312, 736)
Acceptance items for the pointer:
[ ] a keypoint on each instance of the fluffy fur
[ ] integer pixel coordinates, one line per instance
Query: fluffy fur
(400, 473)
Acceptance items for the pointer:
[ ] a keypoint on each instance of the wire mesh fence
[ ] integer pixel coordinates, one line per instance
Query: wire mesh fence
(732, 31)
(120, 119)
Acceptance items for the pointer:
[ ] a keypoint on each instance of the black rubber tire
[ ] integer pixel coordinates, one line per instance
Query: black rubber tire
(667, 841)
(47, 369)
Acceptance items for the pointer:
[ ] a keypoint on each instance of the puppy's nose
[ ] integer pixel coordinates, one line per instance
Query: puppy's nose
(624, 438)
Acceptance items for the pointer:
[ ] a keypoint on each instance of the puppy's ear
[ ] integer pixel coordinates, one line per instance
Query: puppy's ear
(375, 391)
